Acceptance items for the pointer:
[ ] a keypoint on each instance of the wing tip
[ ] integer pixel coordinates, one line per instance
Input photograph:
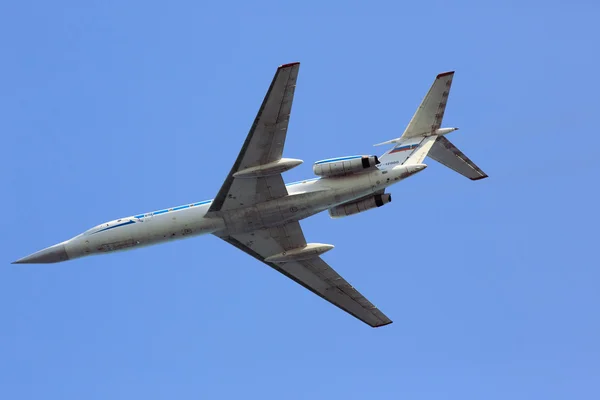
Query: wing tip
(479, 177)
(282, 66)
(382, 324)
(444, 74)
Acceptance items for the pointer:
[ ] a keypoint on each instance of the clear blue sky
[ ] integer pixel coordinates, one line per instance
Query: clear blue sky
(111, 108)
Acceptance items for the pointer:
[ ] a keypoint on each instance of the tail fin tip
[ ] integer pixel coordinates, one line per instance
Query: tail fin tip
(444, 74)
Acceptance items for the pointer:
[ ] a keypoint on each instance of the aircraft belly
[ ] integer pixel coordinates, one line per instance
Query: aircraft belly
(271, 213)
(297, 206)
(289, 208)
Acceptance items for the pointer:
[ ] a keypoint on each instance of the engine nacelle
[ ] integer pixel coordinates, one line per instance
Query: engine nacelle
(355, 207)
(344, 165)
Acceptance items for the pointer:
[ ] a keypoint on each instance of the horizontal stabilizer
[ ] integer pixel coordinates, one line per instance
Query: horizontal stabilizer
(444, 152)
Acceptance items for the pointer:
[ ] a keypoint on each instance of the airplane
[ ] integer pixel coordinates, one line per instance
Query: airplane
(259, 214)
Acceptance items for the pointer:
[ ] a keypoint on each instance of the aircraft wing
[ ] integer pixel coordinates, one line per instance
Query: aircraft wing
(314, 274)
(263, 145)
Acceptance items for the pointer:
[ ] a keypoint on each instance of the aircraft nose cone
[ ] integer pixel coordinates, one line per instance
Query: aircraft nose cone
(52, 254)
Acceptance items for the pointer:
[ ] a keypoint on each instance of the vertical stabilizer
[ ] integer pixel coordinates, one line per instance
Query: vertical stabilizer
(412, 151)
(419, 154)
(400, 152)
(428, 117)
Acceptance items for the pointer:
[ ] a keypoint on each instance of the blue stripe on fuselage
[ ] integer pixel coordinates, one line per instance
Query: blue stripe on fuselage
(166, 210)
(115, 226)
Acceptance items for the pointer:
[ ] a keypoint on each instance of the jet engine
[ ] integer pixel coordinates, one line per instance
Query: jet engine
(358, 206)
(344, 165)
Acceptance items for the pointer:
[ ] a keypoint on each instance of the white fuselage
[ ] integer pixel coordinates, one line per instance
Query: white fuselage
(304, 199)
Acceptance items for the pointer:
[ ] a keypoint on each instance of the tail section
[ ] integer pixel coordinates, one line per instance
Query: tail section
(424, 136)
